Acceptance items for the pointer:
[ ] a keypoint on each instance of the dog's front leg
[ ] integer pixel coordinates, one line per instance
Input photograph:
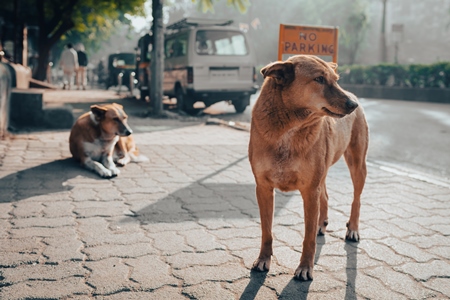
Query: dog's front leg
(97, 167)
(311, 207)
(110, 165)
(265, 197)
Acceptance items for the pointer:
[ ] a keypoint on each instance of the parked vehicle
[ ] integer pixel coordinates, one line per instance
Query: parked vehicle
(205, 60)
(120, 63)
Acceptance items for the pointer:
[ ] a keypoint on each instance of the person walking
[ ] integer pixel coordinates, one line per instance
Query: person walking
(69, 65)
(82, 68)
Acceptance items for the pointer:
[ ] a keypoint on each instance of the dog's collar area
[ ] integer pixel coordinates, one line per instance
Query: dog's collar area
(329, 112)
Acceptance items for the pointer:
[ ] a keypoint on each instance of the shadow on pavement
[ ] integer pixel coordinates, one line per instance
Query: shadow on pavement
(206, 201)
(44, 179)
(351, 270)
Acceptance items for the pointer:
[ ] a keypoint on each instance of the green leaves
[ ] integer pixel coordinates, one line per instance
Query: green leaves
(208, 5)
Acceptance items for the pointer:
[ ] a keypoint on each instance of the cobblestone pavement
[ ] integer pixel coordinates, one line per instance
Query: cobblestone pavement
(185, 225)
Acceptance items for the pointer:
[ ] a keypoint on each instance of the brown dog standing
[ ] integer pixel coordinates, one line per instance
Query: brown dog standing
(94, 136)
(302, 123)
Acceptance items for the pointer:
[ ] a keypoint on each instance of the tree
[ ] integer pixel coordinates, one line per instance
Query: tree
(57, 18)
(354, 31)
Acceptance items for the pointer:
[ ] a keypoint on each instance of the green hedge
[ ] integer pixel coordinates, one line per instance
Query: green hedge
(424, 76)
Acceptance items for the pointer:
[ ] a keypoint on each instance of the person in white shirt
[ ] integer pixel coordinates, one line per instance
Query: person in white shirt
(69, 65)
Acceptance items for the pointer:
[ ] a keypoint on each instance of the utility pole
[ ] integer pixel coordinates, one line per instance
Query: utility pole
(383, 34)
(157, 59)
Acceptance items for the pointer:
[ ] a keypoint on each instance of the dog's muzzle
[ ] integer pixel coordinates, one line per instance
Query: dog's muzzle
(350, 105)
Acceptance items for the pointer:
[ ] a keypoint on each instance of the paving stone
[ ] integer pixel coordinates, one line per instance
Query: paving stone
(441, 285)
(41, 232)
(166, 292)
(409, 250)
(401, 283)
(4, 228)
(382, 253)
(208, 290)
(201, 240)
(211, 258)
(169, 243)
(62, 248)
(424, 271)
(198, 274)
(42, 289)
(151, 272)
(12, 259)
(5, 208)
(108, 276)
(27, 209)
(93, 231)
(426, 242)
(43, 272)
(123, 251)
(42, 222)
(55, 209)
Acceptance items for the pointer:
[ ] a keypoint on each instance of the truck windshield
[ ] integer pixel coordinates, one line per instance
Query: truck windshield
(219, 42)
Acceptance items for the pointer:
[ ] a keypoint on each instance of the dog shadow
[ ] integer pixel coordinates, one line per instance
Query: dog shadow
(200, 201)
(351, 269)
(206, 200)
(44, 179)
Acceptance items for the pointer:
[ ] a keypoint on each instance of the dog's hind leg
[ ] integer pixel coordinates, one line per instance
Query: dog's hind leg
(323, 216)
(265, 197)
(355, 156)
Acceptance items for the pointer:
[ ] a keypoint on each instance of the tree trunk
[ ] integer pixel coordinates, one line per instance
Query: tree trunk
(41, 73)
(157, 60)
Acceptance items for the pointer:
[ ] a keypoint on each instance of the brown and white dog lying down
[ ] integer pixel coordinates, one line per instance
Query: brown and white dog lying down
(302, 123)
(100, 138)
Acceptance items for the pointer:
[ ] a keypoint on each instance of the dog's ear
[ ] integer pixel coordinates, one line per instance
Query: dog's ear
(98, 111)
(282, 72)
(118, 105)
(333, 65)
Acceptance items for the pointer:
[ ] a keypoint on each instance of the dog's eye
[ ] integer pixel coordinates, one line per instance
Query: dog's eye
(117, 119)
(320, 79)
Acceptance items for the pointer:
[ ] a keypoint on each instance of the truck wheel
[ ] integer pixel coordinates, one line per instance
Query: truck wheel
(184, 103)
(241, 104)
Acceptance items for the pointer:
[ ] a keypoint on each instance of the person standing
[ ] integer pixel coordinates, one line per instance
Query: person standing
(69, 64)
(82, 68)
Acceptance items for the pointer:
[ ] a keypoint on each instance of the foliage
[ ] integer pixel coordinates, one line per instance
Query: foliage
(417, 75)
(82, 20)
(208, 5)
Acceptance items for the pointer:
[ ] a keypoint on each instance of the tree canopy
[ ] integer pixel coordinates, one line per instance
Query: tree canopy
(86, 20)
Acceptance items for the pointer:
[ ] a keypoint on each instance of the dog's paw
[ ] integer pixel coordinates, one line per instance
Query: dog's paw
(322, 227)
(123, 161)
(352, 235)
(105, 173)
(304, 273)
(262, 264)
(114, 171)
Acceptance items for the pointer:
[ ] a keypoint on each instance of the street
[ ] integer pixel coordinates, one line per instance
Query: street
(409, 136)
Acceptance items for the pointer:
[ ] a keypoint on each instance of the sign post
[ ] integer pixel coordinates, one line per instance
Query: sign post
(313, 40)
